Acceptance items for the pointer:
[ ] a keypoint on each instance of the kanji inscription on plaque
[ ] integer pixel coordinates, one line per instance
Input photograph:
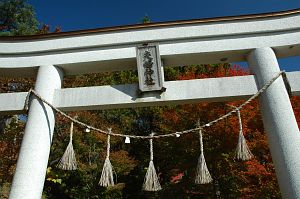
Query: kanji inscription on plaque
(149, 68)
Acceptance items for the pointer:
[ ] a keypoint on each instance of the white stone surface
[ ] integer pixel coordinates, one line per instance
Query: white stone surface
(12, 103)
(179, 45)
(28, 181)
(125, 96)
(294, 81)
(279, 121)
(215, 30)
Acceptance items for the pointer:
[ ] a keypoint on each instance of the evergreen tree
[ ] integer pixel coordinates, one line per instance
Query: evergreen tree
(17, 17)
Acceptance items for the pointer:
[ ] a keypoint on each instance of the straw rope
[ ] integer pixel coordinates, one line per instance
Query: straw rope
(259, 92)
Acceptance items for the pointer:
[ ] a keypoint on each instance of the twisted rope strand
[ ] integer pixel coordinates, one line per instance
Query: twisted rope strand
(201, 141)
(259, 92)
(239, 117)
(240, 121)
(108, 144)
(71, 131)
(151, 148)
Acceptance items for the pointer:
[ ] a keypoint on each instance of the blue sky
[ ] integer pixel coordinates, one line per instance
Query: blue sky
(78, 15)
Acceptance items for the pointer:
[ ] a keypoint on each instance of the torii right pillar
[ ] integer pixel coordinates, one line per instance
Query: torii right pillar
(279, 122)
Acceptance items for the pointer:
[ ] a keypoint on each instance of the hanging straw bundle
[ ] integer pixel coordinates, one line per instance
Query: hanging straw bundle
(202, 173)
(107, 178)
(68, 160)
(151, 182)
(242, 150)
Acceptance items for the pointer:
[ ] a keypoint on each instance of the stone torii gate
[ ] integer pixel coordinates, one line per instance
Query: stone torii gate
(258, 39)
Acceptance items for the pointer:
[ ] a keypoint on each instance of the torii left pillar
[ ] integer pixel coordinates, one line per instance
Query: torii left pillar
(29, 178)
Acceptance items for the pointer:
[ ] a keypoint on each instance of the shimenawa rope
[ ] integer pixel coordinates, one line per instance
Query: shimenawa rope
(259, 92)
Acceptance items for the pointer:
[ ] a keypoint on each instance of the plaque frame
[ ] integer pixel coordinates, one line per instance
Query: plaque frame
(149, 67)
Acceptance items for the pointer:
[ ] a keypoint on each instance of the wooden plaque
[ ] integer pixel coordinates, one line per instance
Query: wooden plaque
(149, 68)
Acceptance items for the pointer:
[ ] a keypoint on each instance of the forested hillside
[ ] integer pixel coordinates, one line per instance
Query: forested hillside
(175, 158)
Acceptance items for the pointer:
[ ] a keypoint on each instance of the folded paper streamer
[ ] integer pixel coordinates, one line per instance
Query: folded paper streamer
(127, 140)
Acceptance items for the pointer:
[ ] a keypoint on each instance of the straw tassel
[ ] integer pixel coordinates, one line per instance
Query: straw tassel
(202, 173)
(107, 178)
(242, 150)
(68, 160)
(151, 182)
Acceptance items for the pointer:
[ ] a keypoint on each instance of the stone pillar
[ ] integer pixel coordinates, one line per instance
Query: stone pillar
(28, 181)
(279, 122)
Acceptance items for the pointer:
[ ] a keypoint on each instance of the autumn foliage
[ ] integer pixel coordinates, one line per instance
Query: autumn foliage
(175, 158)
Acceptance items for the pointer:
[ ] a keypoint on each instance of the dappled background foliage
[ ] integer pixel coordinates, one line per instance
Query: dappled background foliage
(175, 158)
